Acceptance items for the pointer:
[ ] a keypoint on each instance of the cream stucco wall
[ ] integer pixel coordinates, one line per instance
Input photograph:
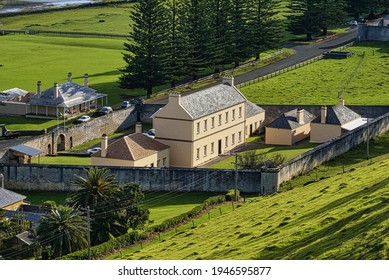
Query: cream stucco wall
(13, 206)
(278, 136)
(301, 133)
(255, 122)
(321, 133)
(155, 160)
(14, 108)
(180, 152)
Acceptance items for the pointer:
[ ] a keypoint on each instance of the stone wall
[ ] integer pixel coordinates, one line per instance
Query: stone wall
(373, 33)
(59, 178)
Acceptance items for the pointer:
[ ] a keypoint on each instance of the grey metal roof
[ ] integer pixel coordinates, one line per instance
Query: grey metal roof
(26, 150)
(69, 94)
(339, 115)
(210, 100)
(252, 109)
(8, 197)
(27, 237)
(288, 120)
(12, 93)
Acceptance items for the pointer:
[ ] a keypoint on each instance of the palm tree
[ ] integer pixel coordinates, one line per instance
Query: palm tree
(100, 192)
(64, 230)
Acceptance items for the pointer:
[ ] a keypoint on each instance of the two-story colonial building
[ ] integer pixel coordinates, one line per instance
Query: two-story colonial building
(200, 126)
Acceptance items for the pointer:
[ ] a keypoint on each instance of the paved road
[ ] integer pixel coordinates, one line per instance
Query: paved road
(302, 53)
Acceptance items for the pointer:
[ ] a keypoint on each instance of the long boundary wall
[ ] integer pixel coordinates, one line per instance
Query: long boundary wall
(60, 177)
(373, 33)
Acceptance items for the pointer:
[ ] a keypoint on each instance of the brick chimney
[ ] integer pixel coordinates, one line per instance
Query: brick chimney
(86, 80)
(323, 114)
(56, 90)
(300, 116)
(39, 88)
(69, 77)
(138, 127)
(104, 145)
(174, 98)
(228, 80)
(341, 101)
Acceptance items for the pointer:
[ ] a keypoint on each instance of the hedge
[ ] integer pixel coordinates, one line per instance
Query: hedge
(136, 236)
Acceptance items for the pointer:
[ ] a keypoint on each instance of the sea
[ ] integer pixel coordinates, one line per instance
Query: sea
(7, 6)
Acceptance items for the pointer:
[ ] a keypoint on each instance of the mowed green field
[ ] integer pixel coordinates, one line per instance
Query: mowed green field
(320, 82)
(28, 59)
(341, 216)
(113, 19)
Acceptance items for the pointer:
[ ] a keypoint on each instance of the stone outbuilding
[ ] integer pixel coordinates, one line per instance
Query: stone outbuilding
(289, 128)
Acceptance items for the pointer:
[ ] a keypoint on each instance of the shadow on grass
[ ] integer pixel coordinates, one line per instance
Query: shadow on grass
(335, 234)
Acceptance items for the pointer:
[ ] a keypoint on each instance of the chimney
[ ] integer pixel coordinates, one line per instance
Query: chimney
(300, 116)
(228, 80)
(174, 98)
(39, 88)
(56, 90)
(69, 77)
(86, 77)
(341, 101)
(138, 127)
(323, 115)
(104, 145)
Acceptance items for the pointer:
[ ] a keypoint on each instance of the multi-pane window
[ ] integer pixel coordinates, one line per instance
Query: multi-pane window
(158, 163)
(226, 117)
(205, 150)
(239, 136)
(212, 147)
(212, 122)
(220, 119)
(205, 125)
(198, 128)
(233, 114)
(233, 139)
(226, 141)
(164, 162)
(198, 153)
(240, 111)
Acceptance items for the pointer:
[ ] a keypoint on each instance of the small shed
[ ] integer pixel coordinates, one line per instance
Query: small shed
(22, 154)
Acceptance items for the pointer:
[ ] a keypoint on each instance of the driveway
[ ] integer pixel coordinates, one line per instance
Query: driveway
(302, 53)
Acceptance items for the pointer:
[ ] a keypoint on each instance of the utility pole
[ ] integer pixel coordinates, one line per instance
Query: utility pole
(87, 209)
(236, 177)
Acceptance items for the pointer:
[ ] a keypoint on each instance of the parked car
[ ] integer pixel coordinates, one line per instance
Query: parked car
(352, 23)
(126, 104)
(150, 133)
(83, 119)
(105, 110)
(93, 150)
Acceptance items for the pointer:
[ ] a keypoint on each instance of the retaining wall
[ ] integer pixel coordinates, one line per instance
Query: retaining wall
(59, 178)
(373, 33)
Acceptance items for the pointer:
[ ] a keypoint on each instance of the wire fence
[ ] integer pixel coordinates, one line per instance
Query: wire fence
(290, 68)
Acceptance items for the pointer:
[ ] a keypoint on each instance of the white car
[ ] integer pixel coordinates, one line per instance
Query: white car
(150, 133)
(84, 119)
(93, 151)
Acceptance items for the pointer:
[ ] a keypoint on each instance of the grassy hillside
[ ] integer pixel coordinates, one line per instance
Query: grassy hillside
(340, 216)
(320, 82)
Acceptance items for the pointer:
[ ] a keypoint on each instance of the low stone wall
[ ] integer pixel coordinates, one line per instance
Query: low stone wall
(373, 33)
(59, 178)
(327, 151)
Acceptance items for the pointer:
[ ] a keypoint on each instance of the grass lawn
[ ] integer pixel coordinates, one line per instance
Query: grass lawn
(320, 82)
(116, 20)
(39, 197)
(28, 59)
(23, 123)
(342, 216)
(65, 160)
(289, 152)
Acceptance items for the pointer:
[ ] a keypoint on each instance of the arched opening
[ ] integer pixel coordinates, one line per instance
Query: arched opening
(49, 149)
(71, 142)
(61, 143)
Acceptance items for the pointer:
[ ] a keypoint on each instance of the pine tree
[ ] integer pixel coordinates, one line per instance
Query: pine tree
(239, 31)
(302, 18)
(266, 29)
(329, 13)
(144, 48)
(194, 21)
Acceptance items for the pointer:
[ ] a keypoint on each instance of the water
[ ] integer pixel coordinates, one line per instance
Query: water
(24, 5)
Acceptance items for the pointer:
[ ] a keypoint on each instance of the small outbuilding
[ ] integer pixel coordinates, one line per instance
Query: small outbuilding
(22, 154)
(289, 128)
(10, 200)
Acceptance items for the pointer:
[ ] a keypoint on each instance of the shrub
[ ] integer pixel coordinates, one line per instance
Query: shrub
(230, 196)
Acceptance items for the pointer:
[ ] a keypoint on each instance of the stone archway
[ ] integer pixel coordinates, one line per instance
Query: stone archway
(61, 143)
